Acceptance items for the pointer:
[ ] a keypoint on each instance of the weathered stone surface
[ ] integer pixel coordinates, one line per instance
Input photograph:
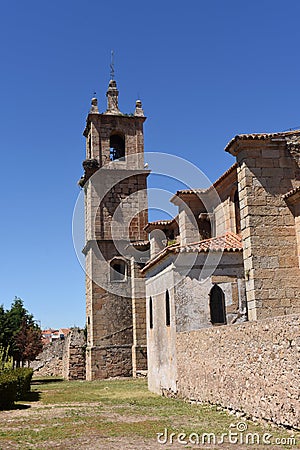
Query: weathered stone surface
(49, 361)
(251, 367)
(269, 224)
(63, 358)
(115, 216)
(74, 356)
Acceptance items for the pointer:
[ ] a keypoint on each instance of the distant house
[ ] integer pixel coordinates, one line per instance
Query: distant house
(63, 332)
(52, 335)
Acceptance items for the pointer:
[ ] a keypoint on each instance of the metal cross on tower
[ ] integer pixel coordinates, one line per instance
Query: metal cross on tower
(112, 66)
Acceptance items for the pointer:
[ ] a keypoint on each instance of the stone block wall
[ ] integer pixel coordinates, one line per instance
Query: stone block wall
(224, 211)
(139, 347)
(49, 363)
(292, 199)
(63, 358)
(251, 367)
(122, 211)
(266, 171)
(109, 361)
(101, 128)
(114, 320)
(297, 226)
(74, 356)
(224, 216)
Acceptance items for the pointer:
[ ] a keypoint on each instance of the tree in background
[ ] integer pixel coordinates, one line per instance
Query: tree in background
(20, 337)
(28, 342)
(2, 324)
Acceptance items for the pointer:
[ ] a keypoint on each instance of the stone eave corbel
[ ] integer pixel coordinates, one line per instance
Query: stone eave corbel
(90, 167)
(292, 197)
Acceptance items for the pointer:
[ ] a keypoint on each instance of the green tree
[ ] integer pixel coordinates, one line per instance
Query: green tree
(28, 342)
(2, 325)
(19, 324)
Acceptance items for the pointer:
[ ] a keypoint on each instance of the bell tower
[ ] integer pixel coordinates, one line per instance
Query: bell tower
(115, 187)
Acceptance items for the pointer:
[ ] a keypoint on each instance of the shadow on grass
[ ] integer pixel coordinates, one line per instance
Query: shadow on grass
(31, 396)
(20, 406)
(28, 397)
(37, 381)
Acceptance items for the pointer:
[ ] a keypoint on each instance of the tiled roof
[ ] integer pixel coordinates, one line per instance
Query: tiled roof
(159, 256)
(227, 242)
(65, 331)
(162, 223)
(49, 331)
(191, 191)
(260, 136)
(291, 193)
(140, 243)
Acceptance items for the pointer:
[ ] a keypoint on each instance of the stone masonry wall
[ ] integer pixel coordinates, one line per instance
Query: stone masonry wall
(63, 358)
(74, 356)
(251, 367)
(49, 362)
(109, 361)
(267, 171)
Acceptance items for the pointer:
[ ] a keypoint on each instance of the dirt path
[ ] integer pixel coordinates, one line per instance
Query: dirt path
(37, 417)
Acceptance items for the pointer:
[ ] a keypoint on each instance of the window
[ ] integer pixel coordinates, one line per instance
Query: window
(217, 306)
(168, 313)
(150, 313)
(117, 147)
(118, 270)
(237, 212)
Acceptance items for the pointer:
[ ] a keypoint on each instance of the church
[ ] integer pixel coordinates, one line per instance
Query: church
(229, 258)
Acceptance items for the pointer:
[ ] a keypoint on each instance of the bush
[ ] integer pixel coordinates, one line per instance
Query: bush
(24, 376)
(14, 385)
(8, 389)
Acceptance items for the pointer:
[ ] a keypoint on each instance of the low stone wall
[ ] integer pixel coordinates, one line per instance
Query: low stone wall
(251, 367)
(109, 361)
(63, 358)
(74, 356)
(49, 361)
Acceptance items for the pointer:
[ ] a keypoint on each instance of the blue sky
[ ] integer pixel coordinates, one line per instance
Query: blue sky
(205, 71)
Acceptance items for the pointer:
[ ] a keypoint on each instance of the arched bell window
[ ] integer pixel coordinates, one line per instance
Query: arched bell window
(117, 147)
(217, 306)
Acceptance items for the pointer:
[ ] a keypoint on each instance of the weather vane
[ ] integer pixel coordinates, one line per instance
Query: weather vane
(112, 66)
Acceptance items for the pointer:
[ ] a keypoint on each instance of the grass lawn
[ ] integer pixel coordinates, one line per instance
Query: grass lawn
(119, 414)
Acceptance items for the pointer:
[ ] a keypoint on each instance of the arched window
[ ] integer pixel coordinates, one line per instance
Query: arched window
(150, 313)
(217, 306)
(117, 147)
(118, 270)
(168, 312)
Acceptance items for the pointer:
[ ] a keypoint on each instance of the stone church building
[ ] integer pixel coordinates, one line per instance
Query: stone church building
(227, 262)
